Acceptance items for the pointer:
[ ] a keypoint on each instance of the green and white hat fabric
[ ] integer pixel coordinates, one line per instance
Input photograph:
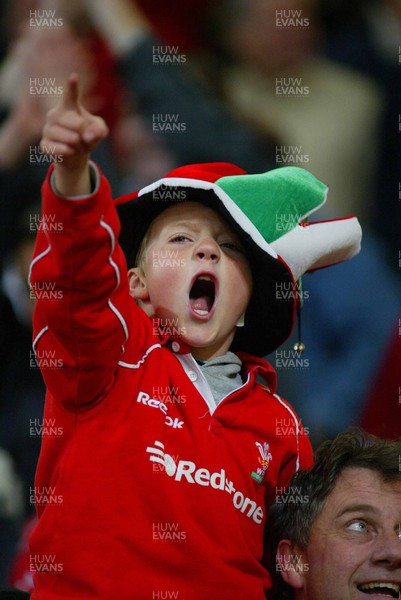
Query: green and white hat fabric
(268, 211)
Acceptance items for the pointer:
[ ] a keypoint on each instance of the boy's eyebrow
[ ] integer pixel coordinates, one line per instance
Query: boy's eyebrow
(185, 224)
(193, 225)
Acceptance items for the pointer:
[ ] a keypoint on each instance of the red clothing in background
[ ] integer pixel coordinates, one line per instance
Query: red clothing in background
(382, 414)
(178, 21)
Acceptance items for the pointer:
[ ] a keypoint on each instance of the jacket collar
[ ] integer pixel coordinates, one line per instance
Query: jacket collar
(258, 366)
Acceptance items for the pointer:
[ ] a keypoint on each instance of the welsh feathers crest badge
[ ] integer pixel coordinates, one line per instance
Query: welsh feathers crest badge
(264, 460)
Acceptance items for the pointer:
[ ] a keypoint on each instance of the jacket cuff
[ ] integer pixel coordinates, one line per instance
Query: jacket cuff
(94, 179)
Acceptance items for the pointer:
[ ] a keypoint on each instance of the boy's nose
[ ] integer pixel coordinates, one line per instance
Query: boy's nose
(208, 249)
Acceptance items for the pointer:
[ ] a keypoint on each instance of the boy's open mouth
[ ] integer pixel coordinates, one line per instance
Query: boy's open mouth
(202, 295)
(379, 588)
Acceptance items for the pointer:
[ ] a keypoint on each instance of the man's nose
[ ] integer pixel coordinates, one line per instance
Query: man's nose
(388, 550)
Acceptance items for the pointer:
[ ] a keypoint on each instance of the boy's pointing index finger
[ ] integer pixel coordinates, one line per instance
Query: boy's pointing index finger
(71, 93)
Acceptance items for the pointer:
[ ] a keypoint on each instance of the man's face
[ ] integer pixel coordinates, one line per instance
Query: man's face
(354, 551)
(196, 277)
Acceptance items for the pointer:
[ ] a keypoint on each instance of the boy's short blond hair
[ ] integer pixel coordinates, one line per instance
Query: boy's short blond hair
(141, 254)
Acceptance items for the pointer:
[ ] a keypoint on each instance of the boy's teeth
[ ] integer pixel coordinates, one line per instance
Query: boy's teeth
(200, 311)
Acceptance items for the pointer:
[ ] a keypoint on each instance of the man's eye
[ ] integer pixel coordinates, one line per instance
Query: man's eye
(358, 526)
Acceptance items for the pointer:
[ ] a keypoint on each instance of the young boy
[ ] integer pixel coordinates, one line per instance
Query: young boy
(164, 451)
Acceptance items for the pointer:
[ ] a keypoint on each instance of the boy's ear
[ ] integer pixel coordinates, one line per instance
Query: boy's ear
(292, 564)
(138, 288)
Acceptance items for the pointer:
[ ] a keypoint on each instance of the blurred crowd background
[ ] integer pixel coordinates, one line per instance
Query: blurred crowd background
(261, 83)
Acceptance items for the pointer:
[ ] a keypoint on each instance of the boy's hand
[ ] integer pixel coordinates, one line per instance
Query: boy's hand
(69, 135)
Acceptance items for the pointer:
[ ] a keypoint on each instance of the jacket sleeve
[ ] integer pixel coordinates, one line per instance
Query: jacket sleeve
(84, 314)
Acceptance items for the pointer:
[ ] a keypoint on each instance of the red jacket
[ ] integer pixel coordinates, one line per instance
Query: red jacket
(142, 490)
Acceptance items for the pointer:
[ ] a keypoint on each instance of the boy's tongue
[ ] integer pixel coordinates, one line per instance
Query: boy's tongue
(202, 304)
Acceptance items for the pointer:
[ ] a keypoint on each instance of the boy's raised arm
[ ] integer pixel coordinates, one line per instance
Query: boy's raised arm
(78, 274)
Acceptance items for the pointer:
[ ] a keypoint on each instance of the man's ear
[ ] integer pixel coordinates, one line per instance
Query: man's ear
(138, 288)
(292, 564)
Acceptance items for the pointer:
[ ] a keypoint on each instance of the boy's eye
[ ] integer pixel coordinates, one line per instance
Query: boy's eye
(232, 246)
(179, 238)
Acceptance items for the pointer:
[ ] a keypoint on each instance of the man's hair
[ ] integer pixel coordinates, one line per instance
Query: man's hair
(292, 514)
